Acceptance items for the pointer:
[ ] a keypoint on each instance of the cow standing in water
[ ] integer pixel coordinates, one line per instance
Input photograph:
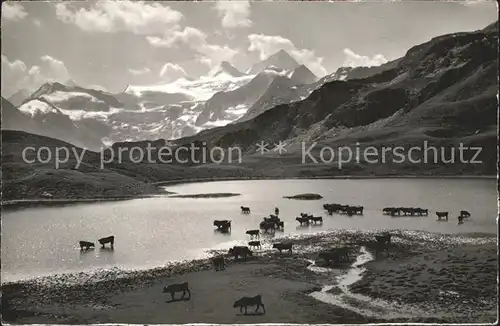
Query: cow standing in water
(245, 210)
(441, 215)
(110, 240)
(86, 245)
(276, 211)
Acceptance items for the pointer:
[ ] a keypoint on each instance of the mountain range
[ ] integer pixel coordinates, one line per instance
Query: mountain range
(442, 93)
(178, 109)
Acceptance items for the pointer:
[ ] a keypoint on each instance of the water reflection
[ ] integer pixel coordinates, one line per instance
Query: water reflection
(222, 232)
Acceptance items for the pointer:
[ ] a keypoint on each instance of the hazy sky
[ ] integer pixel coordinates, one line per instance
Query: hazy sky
(111, 44)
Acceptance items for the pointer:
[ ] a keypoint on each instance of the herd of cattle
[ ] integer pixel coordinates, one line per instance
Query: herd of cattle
(343, 209)
(333, 255)
(339, 254)
(272, 223)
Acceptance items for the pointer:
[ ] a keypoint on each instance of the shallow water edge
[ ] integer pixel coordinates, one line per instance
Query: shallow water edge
(22, 203)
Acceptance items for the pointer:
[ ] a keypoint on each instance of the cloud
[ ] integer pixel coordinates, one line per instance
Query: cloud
(139, 72)
(234, 13)
(13, 11)
(207, 53)
(267, 45)
(353, 59)
(189, 35)
(37, 22)
(16, 75)
(138, 17)
(171, 72)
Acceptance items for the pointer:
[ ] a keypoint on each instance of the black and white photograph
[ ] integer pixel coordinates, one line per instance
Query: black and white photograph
(249, 162)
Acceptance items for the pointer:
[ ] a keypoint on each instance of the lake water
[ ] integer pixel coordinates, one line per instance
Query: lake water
(151, 232)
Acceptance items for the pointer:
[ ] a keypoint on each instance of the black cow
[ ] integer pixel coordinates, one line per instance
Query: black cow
(249, 301)
(240, 251)
(245, 210)
(441, 215)
(110, 240)
(85, 245)
(253, 233)
(283, 246)
(173, 288)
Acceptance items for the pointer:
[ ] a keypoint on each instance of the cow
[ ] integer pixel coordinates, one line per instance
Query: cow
(441, 215)
(358, 210)
(110, 240)
(283, 246)
(244, 302)
(302, 220)
(86, 245)
(245, 210)
(173, 288)
(219, 263)
(464, 214)
(253, 233)
(222, 224)
(316, 219)
(335, 255)
(238, 251)
(266, 226)
(254, 244)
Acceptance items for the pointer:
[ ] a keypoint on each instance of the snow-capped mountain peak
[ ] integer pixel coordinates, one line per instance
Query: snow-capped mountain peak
(280, 59)
(226, 69)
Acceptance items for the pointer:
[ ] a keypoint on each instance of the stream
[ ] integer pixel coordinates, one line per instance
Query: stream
(359, 303)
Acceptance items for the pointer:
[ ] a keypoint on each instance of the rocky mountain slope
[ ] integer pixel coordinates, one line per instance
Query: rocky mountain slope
(18, 97)
(443, 91)
(41, 117)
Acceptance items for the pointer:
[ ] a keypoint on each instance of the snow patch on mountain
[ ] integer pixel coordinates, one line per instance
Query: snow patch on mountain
(61, 96)
(199, 90)
(37, 107)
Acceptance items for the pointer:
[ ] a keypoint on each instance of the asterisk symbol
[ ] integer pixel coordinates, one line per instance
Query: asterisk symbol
(280, 147)
(262, 147)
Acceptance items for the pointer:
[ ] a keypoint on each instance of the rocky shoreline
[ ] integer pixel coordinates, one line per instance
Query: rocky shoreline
(284, 281)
